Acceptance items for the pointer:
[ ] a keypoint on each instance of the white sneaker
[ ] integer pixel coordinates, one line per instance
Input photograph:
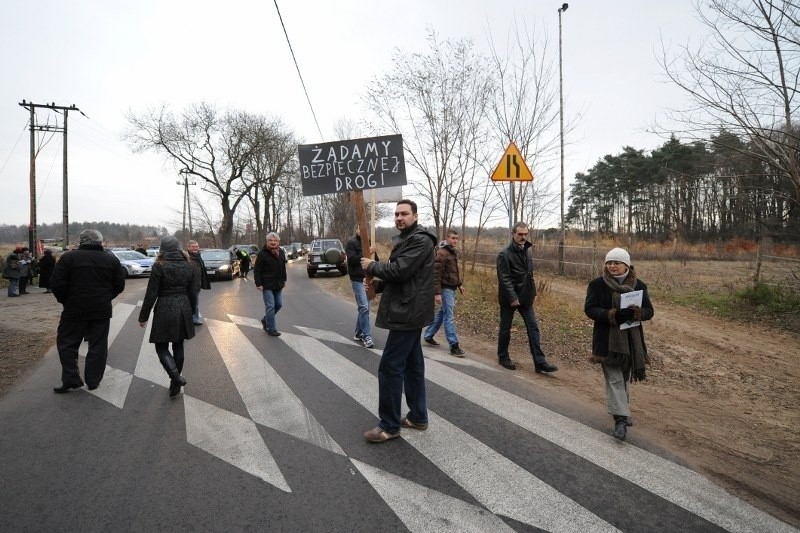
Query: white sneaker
(358, 337)
(368, 341)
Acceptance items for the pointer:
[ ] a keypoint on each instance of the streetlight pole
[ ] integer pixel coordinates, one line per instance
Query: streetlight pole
(561, 116)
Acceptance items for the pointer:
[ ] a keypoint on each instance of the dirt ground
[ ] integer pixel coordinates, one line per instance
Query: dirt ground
(723, 396)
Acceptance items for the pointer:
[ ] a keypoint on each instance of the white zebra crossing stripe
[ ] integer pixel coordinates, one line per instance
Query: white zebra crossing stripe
(147, 365)
(324, 335)
(668, 480)
(423, 509)
(232, 438)
(114, 387)
(268, 398)
(488, 476)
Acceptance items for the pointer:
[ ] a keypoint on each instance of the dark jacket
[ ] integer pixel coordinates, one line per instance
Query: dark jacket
(172, 289)
(599, 307)
(11, 270)
(353, 251)
(85, 281)
(244, 261)
(202, 281)
(46, 265)
(446, 273)
(269, 272)
(406, 281)
(515, 275)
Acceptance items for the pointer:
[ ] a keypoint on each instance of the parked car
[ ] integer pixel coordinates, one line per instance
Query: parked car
(298, 247)
(252, 249)
(326, 255)
(152, 252)
(135, 263)
(306, 248)
(286, 252)
(220, 264)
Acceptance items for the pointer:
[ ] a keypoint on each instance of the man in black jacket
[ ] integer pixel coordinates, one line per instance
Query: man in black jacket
(516, 292)
(406, 284)
(85, 281)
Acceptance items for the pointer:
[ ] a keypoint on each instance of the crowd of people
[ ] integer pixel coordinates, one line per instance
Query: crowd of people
(418, 283)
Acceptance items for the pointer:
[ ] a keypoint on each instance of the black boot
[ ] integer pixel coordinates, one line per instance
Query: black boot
(620, 427)
(177, 381)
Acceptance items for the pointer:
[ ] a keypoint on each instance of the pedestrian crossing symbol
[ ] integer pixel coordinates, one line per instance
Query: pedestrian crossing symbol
(512, 166)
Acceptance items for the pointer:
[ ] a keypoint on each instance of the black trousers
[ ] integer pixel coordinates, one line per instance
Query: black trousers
(70, 335)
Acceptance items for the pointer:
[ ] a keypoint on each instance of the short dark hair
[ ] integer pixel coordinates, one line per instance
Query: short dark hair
(518, 225)
(451, 231)
(409, 202)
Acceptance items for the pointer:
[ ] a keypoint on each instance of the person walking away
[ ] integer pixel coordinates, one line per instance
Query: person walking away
(11, 273)
(617, 337)
(353, 250)
(269, 275)
(446, 281)
(85, 281)
(202, 280)
(406, 306)
(244, 262)
(46, 265)
(171, 289)
(516, 292)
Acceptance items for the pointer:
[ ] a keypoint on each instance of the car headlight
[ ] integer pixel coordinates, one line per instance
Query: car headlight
(224, 267)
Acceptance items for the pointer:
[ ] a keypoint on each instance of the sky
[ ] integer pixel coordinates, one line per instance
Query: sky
(112, 58)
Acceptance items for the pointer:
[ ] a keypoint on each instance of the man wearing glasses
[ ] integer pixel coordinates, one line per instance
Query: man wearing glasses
(516, 292)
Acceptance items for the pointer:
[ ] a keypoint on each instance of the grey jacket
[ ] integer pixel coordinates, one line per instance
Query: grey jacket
(406, 281)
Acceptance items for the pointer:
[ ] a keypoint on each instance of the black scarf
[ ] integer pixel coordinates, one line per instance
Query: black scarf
(625, 346)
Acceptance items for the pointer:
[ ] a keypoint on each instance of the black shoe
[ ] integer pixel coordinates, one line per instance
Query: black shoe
(508, 363)
(264, 324)
(92, 387)
(65, 388)
(629, 421)
(431, 341)
(620, 427)
(175, 386)
(274, 333)
(455, 350)
(546, 367)
(198, 323)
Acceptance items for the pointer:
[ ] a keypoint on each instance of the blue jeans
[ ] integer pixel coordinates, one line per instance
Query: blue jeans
(445, 316)
(401, 367)
(504, 337)
(196, 315)
(273, 301)
(362, 322)
(13, 287)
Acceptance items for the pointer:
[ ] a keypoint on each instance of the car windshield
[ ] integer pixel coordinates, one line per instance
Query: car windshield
(214, 255)
(326, 244)
(130, 256)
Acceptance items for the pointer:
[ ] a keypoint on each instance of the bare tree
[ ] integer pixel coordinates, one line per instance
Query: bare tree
(436, 100)
(525, 110)
(743, 79)
(203, 143)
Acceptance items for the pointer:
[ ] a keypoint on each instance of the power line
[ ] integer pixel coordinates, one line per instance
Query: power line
(13, 148)
(303, 83)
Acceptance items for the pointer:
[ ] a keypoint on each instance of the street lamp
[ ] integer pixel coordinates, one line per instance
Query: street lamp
(561, 115)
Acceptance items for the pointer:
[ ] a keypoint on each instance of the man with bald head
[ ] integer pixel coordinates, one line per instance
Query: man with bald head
(85, 281)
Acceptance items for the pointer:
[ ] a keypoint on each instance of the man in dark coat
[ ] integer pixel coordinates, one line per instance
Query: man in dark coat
(516, 292)
(202, 281)
(85, 281)
(46, 265)
(406, 287)
(269, 275)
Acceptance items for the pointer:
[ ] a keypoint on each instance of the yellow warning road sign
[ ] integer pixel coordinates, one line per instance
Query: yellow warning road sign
(512, 166)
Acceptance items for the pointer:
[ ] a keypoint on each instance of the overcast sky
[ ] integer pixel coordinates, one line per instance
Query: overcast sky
(109, 57)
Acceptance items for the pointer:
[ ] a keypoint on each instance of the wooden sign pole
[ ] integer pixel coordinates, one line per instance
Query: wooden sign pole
(361, 214)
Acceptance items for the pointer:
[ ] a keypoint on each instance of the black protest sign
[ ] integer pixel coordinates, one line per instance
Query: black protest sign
(352, 165)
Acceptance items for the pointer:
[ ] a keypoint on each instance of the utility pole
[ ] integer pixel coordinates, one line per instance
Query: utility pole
(187, 205)
(562, 233)
(31, 107)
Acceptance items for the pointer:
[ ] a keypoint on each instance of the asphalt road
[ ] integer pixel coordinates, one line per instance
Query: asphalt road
(267, 436)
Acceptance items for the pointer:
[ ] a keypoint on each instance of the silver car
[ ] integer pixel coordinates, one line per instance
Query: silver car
(135, 263)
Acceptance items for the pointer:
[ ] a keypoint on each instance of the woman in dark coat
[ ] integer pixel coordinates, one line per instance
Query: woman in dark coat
(172, 289)
(618, 339)
(46, 265)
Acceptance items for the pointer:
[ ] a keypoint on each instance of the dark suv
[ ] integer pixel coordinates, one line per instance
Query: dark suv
(326, 255)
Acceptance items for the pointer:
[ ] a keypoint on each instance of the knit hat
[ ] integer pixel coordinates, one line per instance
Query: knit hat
(619, 254)
(90, 236)
(169, 244)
